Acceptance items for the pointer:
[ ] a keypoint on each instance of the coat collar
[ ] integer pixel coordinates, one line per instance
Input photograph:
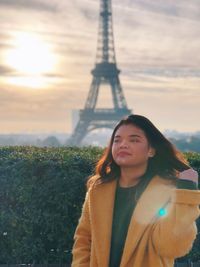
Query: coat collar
(156, 195)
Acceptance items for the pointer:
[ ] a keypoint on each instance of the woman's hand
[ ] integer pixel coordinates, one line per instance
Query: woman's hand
(190, 175)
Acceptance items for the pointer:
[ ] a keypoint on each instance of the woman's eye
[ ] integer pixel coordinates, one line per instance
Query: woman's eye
(115, 141)
(134, 140)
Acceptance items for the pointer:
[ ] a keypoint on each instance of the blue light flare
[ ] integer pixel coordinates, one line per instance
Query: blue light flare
(162, 212)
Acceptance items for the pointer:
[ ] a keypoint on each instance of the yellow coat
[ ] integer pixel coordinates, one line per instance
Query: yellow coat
(152, 240)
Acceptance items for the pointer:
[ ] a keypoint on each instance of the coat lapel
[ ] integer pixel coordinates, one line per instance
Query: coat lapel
(155, 197)
(102, 205)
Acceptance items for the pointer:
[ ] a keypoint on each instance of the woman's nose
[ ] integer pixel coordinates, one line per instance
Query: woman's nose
(124, 144)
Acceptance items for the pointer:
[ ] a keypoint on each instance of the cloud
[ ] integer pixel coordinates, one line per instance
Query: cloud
(181, 9)
(165, 72)
(156, 40)
(30, 4)
(37, 105)
(6, 71)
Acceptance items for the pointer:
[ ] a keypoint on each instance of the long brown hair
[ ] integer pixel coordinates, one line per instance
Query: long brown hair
(166, 162)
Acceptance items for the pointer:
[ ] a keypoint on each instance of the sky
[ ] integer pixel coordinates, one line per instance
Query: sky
(48, 49)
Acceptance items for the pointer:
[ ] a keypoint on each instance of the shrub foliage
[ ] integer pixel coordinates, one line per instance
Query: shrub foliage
(41, 195)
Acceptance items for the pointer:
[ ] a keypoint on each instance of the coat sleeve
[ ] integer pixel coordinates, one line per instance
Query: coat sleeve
(173, 234)
(82, 238)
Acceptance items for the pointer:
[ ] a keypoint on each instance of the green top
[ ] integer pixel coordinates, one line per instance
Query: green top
(125, 202)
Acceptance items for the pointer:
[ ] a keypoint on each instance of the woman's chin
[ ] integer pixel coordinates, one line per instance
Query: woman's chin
(124, 163)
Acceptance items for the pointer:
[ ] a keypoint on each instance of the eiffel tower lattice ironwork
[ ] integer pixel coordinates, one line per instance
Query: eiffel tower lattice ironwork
(104, 73)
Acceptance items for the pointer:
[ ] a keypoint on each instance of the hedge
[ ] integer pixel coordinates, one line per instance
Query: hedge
(41, 195)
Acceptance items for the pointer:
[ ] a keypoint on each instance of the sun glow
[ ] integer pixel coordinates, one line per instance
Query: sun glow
(30, 56)
(33, 82)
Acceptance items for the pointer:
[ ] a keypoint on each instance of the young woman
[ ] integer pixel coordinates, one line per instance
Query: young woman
(141, 205)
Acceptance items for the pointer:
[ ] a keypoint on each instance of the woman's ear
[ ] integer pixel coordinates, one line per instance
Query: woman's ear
(152, 152)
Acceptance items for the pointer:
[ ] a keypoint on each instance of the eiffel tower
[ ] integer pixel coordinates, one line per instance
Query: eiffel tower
(104, 73)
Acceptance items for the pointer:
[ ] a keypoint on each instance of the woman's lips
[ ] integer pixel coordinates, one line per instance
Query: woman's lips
(123, 153)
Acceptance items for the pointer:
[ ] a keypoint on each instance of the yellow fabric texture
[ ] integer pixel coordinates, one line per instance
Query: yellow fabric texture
(154, 239)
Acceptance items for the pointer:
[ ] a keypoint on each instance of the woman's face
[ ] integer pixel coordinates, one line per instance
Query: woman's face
(130, 147)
